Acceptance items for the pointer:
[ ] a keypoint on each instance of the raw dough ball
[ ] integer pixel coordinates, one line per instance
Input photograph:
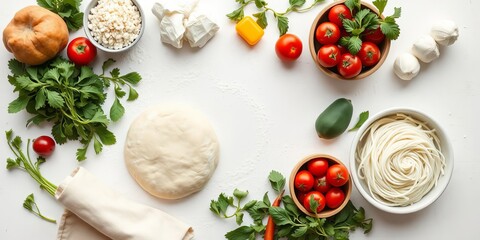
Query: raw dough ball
(171, 151)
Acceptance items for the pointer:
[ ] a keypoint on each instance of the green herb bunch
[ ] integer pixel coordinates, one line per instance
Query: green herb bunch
(261, 16)
(290, 222)
(68, 10)
(71, 97)
(364, 19)
(24, 162)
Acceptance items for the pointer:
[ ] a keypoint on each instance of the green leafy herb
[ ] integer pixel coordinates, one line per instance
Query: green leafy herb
(365, 20)
(261, 16)
(32, 207)
(361, 120)
(290, 222)
(71, 97)
(24, 162)
(68, 10)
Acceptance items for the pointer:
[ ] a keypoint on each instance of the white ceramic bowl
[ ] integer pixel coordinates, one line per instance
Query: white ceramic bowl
(435, 192)
(92, 4)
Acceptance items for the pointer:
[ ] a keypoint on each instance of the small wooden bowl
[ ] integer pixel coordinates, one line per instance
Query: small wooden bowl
(326, 212)
(315, 46)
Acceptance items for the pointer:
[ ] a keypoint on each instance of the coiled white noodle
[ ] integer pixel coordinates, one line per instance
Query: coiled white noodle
(400, 159)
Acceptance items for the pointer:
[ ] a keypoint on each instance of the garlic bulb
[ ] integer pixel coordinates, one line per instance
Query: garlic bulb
(445, 32)
(426, 49)
(406, 66)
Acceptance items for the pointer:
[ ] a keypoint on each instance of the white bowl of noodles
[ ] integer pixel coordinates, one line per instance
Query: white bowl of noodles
(401, 160)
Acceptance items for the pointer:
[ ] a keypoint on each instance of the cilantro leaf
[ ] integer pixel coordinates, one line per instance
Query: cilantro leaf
(132, 94)
(18, 104)
(106, 137)
(236, 15)
(261, 19)
(296, 3)
(380, 4)
(132, 77)
(97, 145)
(361, 119)
(260, 3)
(277, 180)
(390, 29)
(81, 154)
(241, 233)
(280, 216)
(353, 43)
(16, 67)
(282, 24)
(239, 194)
(54, 99)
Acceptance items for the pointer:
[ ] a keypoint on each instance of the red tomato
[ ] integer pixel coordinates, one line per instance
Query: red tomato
(376, 36)
(328, 55)
(300, 196)
(321, 185)
(288, 47)
(81, 51)
(318, 197)
(339, 12)
(335, 197)
(327, 33)
(337, 175)
(369, 54)
(304, 181)
(318, 167)
(349, 65)
(44, 146)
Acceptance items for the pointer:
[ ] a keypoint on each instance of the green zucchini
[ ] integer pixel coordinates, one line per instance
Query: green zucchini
(334, 120)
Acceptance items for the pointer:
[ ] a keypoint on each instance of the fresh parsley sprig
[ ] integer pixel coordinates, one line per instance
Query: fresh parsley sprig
(72, 98)
(68, 10)
(365, 20)
(290, 222)
(261, 16)
(24, 162)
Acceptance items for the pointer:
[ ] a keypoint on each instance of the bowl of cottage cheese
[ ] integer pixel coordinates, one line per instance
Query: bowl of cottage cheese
(114, 25)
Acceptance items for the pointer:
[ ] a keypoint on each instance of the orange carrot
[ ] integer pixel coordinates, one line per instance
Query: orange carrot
(270, 228)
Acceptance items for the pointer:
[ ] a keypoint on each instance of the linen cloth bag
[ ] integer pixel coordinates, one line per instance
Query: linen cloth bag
(95, 212)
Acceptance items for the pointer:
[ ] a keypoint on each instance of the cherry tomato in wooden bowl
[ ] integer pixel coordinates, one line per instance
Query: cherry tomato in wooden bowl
(314, 166)
(334, 14)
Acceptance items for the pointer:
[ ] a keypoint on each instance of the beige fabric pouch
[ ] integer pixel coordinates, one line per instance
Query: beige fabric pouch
(95, 212)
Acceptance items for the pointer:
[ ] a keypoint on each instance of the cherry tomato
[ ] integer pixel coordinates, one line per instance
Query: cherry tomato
(322, 185)
(288, 47)
(334, 197)
(339, 12)
(81, 51)
(318, 197)
(349, 65)
(300, 196)
(369, 54)
(318, 167)
(376, 36)
(337, 175)
(304, 181)
(328, 55)
(327, 33)
(44, 146)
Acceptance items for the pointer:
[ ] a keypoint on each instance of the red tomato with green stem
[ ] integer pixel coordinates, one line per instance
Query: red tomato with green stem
(328, 55)
(369, 54)
(81, 51)
(334, 197)
(288, 47)
(304, 181)
(349, 65)
(314, 196)
(327, 33)
(337, 175)
(339, 12)
(376, 36)
(318, 167)
(43, 146)
(321, 184)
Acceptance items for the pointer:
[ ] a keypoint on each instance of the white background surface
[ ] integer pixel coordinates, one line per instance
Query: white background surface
(264, 111)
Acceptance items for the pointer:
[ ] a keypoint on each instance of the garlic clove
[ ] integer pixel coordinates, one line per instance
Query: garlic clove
(445, 32)
(426, 49)
(406, 66)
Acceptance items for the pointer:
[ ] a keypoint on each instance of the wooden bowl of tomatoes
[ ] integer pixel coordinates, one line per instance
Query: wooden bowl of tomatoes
(320, 185)
(341, 49)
